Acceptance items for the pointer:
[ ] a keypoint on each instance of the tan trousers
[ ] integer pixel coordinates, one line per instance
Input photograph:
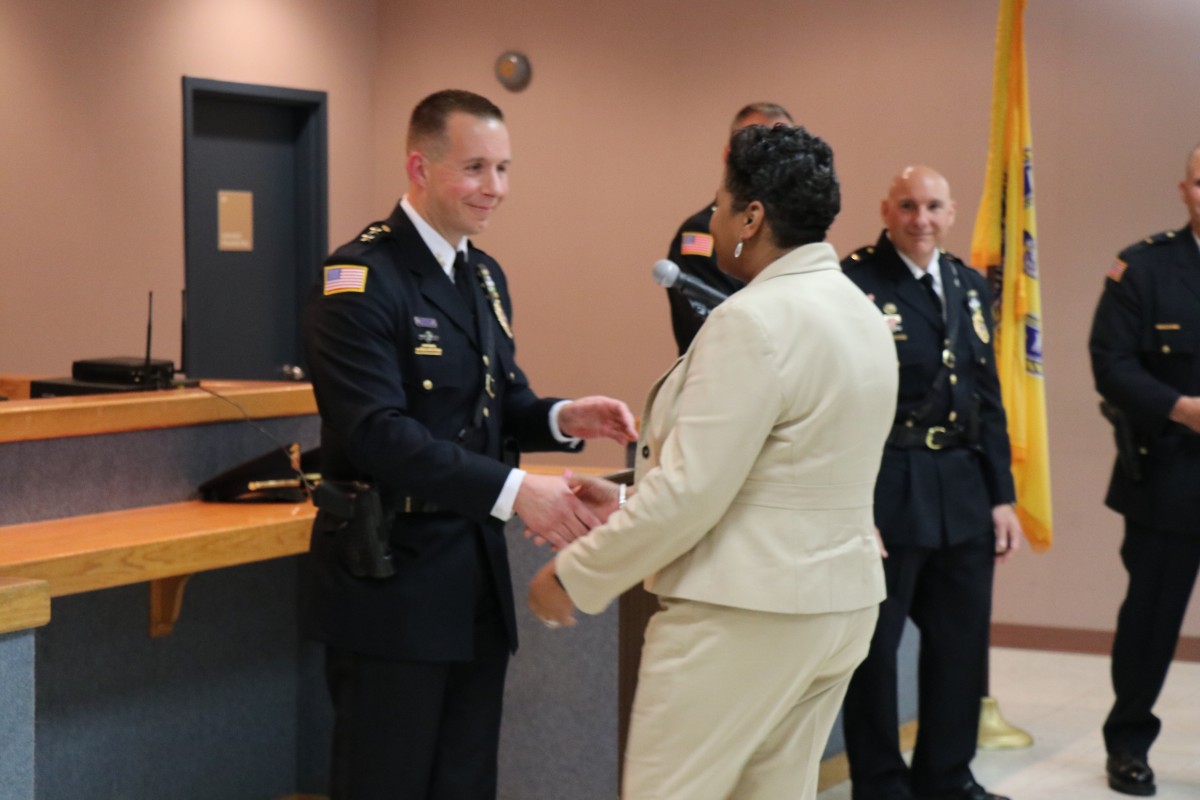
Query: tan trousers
(735, 704)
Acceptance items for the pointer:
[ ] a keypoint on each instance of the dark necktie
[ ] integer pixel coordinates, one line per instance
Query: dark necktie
(462, 279)
(927, 281)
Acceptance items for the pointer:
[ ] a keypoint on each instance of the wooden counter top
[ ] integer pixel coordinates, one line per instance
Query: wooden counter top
(160, 544)
(56, 417)
(116, 548)
(23, 604)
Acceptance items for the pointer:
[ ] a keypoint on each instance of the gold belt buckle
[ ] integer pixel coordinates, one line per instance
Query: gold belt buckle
(929, 434)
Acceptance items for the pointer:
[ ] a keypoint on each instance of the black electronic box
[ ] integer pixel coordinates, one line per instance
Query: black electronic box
(125, 370)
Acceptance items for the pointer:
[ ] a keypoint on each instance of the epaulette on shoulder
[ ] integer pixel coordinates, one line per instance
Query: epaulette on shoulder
(1138, 254)
(863, 253)
(1150, 241)
(375, 232)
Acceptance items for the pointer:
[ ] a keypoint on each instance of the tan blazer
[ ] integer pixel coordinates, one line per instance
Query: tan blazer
(758, 456)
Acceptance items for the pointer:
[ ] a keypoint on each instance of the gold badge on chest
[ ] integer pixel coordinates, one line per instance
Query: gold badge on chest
(494, 297)
(977, 320)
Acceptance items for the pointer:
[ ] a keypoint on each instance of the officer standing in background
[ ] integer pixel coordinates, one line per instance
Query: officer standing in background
(943, 502)
(409, 338)
(1146, 363)
(692, 247)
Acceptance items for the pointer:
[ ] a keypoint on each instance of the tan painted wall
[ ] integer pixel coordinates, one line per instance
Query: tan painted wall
(616, 141)
(91, 143)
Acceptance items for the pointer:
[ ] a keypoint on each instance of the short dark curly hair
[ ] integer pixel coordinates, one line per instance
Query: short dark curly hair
(789, 171)
(427, 126)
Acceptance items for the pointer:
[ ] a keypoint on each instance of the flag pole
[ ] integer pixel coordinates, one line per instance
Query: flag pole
(1003, 247)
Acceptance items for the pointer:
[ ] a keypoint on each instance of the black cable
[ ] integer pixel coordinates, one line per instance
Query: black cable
(304, 481)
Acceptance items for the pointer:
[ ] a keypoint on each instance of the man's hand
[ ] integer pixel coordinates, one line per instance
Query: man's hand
(598, 417)
(879, 543)
(551, 511)
(599, 495)
(1187, 412)
(549, 601)
(1008, 531)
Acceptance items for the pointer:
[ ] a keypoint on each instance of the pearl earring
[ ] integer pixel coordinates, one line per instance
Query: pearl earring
(737, 251)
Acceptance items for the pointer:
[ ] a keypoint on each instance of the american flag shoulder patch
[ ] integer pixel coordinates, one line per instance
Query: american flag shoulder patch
(345, 278)
(696, 244)
(1117, 270)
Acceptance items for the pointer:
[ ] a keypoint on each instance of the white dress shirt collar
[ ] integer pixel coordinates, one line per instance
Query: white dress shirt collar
(934, 270)
(442, 250)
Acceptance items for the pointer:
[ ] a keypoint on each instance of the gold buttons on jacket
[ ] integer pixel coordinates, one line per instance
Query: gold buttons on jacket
(427, 384)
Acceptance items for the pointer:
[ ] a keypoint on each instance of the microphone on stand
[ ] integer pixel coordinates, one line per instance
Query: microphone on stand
(667, 274)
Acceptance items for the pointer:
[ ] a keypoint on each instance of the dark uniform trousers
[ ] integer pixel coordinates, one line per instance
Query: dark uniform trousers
(945, 591)
(433, 725)
(933, 507)
(416, 662)
(1145, 351)
(691, 250)
(1162, 568)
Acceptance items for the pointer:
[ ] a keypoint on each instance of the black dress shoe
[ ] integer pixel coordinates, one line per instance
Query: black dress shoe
(1130, 775)
(970, 791)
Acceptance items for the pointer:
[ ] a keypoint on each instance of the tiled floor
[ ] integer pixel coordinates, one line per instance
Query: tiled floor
(1061, 699)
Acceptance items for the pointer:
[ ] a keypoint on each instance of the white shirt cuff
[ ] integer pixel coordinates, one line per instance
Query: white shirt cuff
(555, 431)
(503, 509)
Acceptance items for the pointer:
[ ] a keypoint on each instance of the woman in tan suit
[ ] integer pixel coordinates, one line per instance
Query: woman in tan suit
(752, 517)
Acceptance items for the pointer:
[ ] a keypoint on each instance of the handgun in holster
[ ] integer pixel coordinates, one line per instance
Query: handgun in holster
(1129, 454)
(355, 515)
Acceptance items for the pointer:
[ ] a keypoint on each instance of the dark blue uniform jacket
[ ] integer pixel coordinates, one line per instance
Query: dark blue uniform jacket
(1145, 349)
(398, 371)
(934, 498)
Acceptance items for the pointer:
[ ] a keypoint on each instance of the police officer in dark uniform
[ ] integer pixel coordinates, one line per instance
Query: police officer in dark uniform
(692, 247)
(409, 339)
(943, 502)
(1145, 349)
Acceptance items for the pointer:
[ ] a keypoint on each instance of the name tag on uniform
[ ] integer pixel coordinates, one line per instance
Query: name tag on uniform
(427, 349)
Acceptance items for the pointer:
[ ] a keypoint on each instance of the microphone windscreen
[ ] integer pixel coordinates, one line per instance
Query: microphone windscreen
(666, 273)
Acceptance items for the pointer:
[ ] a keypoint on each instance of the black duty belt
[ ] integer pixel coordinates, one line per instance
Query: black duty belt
(337, 497)
(414, 506)
(936, 437)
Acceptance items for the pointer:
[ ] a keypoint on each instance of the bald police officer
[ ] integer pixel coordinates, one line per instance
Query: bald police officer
(1146, 363)
(943, 502)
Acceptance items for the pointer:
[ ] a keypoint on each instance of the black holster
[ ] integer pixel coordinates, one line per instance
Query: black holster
(356, 516)
(1129, 455)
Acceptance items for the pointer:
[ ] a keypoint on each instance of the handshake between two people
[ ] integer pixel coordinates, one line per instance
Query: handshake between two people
(560, 509)
(548, 598)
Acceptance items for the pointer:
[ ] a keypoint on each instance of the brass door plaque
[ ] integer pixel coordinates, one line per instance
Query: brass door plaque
(235, 220)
